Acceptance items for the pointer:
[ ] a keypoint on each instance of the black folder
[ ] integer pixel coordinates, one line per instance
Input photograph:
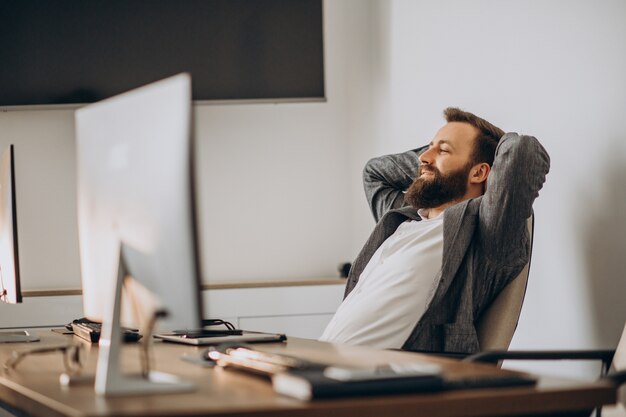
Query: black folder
(313, 384)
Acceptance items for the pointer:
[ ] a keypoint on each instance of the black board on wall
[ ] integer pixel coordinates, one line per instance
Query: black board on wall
(81, 51)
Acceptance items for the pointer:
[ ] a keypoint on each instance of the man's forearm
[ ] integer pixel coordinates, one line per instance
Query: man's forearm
(386, 178)
(518, 173)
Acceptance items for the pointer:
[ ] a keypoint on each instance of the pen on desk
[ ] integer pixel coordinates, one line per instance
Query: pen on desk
(242, 362)
(281, 360)
(256, 361)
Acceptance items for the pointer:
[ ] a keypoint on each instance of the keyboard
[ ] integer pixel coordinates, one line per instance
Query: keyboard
(220, 336)
(90, 331)
(194, 334)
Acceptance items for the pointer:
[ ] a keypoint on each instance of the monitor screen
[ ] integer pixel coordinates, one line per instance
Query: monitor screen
(77, 51)
(135, 200)
(9, 259)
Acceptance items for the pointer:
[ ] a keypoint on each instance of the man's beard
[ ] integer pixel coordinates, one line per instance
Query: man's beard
(427, 193)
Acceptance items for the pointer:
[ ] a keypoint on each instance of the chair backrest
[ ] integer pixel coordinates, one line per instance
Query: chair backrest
(619, 359)
(498, 322)
(619, 364)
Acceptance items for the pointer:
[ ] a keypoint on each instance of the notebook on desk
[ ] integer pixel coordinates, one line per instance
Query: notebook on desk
(245, 336)
(306, 380)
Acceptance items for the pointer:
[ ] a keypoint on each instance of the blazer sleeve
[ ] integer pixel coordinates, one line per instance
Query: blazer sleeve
(518, 173)
(387, 177)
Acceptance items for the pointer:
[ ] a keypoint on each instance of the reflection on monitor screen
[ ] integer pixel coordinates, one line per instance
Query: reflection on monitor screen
(10, 291)
(136, 216)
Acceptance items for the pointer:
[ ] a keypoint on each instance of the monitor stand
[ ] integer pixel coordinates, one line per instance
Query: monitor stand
(17, 336)
(110, 381)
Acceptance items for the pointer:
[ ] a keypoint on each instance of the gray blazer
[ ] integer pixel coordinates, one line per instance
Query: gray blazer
(485, 239)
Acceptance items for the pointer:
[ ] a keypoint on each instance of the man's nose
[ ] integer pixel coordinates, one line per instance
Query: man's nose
(426, 157)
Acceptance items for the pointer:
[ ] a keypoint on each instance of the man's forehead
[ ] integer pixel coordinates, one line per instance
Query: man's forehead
(457, 134)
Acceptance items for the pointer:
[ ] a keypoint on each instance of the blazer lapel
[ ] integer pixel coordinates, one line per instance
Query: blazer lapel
(385, 228)
(457, 236)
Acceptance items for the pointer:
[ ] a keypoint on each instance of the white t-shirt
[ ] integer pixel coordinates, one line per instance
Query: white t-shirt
(394, 289)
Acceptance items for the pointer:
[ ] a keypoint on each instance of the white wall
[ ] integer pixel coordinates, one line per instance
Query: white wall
(273, 189)
(554, 69)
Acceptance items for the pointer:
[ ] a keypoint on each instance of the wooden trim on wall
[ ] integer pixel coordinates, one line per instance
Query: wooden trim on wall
(51, 293)
(212, 286)
(265, 284)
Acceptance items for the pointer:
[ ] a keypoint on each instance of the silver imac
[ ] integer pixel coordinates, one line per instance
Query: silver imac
(10, 289)
(136, 218)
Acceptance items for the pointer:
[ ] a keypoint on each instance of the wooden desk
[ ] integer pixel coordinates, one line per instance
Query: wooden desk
(34, 388)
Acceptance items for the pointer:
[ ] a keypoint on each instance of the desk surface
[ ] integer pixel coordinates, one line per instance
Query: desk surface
(34, 388)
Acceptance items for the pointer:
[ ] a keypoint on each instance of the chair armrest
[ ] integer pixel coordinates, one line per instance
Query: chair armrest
(606, 356)
(452, 355)
(617, 378)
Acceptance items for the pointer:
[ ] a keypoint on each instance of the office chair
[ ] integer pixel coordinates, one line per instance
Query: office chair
(498, 322)
(613, 365)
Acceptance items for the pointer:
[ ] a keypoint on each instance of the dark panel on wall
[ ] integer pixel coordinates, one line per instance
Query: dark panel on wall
(80, 51)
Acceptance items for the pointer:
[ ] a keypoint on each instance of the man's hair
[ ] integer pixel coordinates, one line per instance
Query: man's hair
(488, 134)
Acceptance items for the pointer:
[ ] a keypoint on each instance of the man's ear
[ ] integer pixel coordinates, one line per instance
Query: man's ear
(479, 173)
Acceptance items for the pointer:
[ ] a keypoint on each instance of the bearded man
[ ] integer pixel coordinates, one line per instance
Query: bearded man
(450, 235)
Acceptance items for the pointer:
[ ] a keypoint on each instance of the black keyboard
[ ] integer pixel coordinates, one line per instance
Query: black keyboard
(90, 331)
(199, 333)
(490, 381)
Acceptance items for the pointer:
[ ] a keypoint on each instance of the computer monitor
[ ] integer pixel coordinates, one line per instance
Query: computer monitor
(10, 291)
(9, 260)
(136, 217)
